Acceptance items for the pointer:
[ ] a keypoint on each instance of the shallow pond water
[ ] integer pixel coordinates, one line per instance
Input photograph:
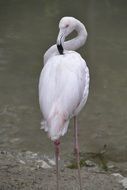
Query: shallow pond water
(28, 28)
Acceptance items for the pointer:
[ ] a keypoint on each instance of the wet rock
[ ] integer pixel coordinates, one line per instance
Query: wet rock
(90, 163)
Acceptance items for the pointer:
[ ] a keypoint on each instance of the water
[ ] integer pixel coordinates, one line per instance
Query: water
(27, 29)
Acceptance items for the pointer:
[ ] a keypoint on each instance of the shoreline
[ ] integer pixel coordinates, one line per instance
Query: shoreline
(33, 171)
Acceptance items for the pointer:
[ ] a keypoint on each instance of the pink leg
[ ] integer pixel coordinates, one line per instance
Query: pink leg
(76, 150)
(57, 143)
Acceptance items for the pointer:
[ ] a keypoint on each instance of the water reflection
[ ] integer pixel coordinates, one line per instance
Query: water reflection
(28, 28)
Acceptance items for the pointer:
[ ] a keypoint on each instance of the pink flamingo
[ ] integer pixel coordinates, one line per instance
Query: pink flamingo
(64, 85)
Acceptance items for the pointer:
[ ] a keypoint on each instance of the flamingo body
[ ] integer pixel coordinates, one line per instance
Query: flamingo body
(65, 92)
(64, 86)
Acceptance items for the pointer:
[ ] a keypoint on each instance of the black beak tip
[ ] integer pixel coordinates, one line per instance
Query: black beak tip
(60, 49)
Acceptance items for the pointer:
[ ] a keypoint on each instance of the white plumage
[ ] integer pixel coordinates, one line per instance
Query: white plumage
(63, 89)
(64, 85)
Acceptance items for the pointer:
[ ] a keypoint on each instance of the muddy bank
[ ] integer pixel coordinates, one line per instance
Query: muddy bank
(32, 171)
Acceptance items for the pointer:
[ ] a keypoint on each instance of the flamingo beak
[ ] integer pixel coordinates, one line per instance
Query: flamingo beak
(60, 42)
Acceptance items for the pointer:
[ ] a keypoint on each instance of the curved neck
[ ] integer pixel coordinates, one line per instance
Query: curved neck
(79, 40)
(72, 44)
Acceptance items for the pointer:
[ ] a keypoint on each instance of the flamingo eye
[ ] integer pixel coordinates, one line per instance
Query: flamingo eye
(67, 25)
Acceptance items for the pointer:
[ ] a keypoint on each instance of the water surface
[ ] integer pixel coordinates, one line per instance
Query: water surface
(28, 28)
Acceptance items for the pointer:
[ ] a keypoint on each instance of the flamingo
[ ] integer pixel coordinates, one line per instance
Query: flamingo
(64, 86)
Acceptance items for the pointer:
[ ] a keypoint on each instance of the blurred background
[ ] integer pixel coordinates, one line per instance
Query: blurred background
(27, 29)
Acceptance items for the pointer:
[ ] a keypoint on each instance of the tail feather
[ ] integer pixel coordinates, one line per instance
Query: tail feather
(55, 127)
(65, 127)
(44, 125)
